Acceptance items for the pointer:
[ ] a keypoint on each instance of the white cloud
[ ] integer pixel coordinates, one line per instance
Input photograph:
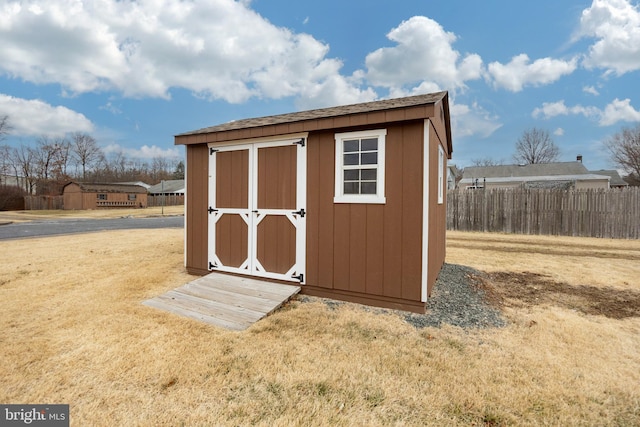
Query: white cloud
(558, 132)
(214, 48)
(590, 89)
(619, 111)
(472, 120)
(614, 112)
(615, 24)
(520, 72)
(111, 108)
(145, 152)
(423, 54)
(32, 117)
(553, 109)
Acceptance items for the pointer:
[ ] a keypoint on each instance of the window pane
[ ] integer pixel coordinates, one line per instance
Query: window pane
(369, 175)
(351, 145)
(351, 175)
(370, 144)
(369, 158)
(351, 188)
(351, 159)
(368, 188)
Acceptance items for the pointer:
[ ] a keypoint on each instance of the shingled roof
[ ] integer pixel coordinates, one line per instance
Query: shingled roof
(322, 113)
(538, 169)
(109, 188)
(365, 114)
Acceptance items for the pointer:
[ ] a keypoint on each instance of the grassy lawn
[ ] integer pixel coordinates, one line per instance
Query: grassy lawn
(74, 331)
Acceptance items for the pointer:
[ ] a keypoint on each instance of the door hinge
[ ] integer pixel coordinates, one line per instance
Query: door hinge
(299, 277)
(212, 150)
(212, 265)
(301, 142)
(301, 212)
(211, 210)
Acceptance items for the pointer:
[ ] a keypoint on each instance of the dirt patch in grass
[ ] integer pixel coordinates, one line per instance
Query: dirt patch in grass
(528, 288)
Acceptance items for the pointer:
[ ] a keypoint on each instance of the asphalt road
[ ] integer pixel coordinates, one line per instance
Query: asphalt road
(20, 230)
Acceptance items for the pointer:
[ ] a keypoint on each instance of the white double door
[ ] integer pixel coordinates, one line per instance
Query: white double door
(257, 197)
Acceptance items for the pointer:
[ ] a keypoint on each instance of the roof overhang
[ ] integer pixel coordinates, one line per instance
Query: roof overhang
(374, 113)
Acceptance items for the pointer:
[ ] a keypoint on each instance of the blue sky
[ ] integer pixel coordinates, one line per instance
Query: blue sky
(135, 73)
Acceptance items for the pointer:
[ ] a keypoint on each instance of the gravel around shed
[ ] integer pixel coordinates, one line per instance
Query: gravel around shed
(457, 299)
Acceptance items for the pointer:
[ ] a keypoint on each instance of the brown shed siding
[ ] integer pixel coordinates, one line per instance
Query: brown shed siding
(367, 248)
(437, 212)
(197, 200)
(368, 253)
(232, 192)
(85, 196)
(72, 197)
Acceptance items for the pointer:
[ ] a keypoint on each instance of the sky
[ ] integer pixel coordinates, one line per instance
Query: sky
(135, 73)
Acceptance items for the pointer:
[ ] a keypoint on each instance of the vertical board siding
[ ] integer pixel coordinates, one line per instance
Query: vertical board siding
(197, 193)
(232, 179)
(367, 248)
(276, 240)
(437, 213)
(412, 205)
(375, 253)
(231, 240)
(611, 213)
(277, 168)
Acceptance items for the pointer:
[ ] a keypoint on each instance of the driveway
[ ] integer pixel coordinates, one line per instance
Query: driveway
(55, 227)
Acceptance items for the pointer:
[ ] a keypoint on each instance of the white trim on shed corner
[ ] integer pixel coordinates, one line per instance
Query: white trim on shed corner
(425, 210)
(186, 157)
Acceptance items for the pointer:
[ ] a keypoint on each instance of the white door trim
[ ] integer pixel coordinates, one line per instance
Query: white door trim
(253, 216)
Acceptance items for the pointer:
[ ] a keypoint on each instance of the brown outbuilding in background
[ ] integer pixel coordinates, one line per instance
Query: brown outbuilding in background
(98, 196)
(349, 202)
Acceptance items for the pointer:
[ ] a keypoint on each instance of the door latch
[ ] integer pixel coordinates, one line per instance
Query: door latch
(301, 212)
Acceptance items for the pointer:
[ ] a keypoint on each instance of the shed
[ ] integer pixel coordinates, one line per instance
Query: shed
(348, 201)
(77, 195)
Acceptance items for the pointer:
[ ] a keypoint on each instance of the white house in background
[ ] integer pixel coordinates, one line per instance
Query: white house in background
(563, 175)
(453, 175)
(167, 188)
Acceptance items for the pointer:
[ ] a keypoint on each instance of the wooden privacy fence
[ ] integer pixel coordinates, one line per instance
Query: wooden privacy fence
(166, 200)
(39, 203)
(594, 213)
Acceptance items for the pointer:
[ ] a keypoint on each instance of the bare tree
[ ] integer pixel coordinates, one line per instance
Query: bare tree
(85, 151)
(624, 148)
(536, 146)
(5, 127)
(178, 172)
(63, 157)
(23, 158)
(487, 161)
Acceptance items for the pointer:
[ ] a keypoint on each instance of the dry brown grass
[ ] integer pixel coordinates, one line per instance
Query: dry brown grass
(74, 331)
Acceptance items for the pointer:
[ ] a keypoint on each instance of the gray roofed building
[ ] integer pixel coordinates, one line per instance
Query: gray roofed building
(171, 186)
(541, 175)
(615, 181)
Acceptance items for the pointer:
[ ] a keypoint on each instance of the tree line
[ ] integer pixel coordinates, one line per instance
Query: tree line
(44, 166)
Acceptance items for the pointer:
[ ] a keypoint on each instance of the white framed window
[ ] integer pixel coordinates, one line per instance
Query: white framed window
(440, 175)
(360, 158)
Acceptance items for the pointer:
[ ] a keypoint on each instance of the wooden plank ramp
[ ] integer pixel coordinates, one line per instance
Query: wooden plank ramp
(230, 302)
